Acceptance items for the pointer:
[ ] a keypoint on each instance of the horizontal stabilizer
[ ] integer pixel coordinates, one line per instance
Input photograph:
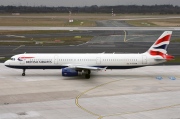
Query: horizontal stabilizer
(159, 58)
(165, 57)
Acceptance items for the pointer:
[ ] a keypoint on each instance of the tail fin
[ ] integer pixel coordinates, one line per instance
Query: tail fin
(159, 48)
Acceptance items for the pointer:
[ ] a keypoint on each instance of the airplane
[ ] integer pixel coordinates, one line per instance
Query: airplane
(82, 64)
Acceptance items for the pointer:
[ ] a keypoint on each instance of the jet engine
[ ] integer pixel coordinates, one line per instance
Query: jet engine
(68, 72)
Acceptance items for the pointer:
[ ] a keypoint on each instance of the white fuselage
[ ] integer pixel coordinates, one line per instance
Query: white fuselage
(58, 61)
(73, 64)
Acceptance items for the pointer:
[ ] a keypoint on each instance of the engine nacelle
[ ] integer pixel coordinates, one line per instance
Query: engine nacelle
(68, 72)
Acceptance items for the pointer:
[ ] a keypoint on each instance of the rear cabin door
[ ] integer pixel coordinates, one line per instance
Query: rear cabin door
(144, 59)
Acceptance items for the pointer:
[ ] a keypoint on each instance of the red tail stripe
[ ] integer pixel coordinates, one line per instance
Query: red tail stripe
(167, 57)
(154, 53)
(165, 38)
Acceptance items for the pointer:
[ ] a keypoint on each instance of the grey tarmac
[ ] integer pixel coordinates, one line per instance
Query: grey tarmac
(112, 94)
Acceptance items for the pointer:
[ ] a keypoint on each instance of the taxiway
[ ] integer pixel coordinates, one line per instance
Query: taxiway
(147, 92)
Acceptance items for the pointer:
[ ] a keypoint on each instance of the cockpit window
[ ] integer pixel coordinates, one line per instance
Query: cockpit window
(13, 59)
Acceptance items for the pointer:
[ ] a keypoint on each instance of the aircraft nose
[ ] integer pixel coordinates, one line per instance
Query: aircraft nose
(6, 63)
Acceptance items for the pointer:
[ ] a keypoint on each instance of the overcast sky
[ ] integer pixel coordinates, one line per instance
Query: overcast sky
(87, 2)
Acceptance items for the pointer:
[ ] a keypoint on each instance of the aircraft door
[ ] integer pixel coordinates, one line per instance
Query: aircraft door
(98, 60)
(22, 60)
(144, 59)
(56, 59)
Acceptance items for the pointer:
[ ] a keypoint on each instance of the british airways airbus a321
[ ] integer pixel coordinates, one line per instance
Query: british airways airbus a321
(76, 64)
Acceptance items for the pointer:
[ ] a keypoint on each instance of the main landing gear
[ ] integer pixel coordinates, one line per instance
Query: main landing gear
(23, 74)
(87, 74)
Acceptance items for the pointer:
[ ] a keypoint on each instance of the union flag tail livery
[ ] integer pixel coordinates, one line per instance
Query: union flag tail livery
(75, 64)
(159, 48)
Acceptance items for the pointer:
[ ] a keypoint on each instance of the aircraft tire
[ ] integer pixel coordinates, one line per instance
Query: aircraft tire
(87, 76)
(23, 74)
(89, 72)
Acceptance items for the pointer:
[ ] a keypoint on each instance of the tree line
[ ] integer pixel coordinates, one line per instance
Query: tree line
(123, 9)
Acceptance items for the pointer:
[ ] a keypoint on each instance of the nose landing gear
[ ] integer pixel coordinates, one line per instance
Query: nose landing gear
(23, 74)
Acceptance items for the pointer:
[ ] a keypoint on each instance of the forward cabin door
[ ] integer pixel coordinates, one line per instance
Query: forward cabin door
(56, 59)
(22, 60)
(144, 59)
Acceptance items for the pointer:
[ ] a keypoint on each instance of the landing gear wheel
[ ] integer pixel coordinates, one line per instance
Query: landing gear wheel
(87, 76)
(23, 74)
(89, 72)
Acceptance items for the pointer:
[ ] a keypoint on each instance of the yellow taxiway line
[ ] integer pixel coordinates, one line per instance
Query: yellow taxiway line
(117, 114)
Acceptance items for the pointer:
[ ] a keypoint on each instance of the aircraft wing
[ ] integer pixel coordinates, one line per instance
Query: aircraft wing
(83, 67)
(88, 67)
